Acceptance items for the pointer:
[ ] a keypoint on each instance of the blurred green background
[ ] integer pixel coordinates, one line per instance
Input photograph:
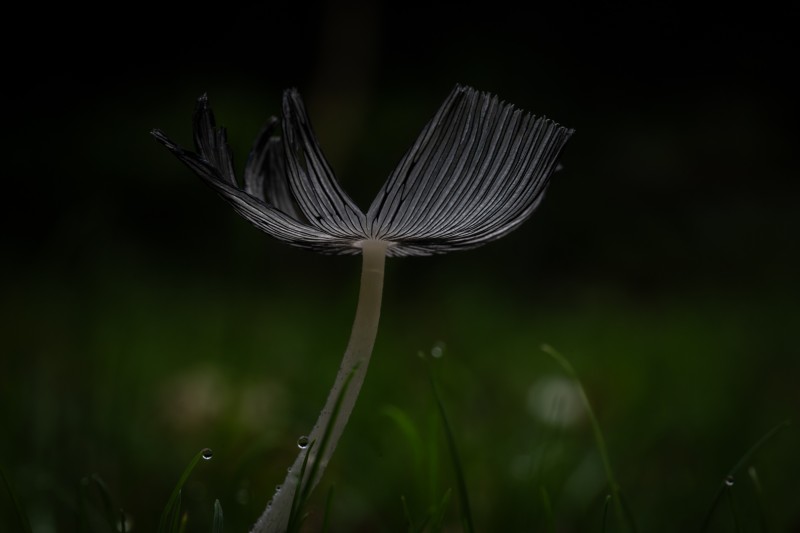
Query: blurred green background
(142, 320)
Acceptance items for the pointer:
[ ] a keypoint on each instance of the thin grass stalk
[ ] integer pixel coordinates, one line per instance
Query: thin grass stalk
(537, 468)
(326, 517)
(730, 478)
(605, 513)
(437, 518)
(114, 518)
(762, 513)
(433, 480)
(307, 475)
(217, 524)
(297, 497)
(732, 505)
(549, 518)
(170, 516)
(22, 518)
(622, 516)
(463, 494)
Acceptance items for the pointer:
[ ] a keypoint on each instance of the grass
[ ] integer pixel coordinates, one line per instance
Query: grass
(305, 486)
(623, 517)
(219, 522)
(173, 519)
(452, 450)
(727, 484)
(22, 522)
(95, 379)
(113, 516)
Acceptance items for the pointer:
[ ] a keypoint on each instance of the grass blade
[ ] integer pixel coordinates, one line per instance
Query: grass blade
(306, 482)
(626, 508)
(463, 495)
(216, 526)
(548, 509)
(327, 515)
(411, 434)
(757, 446)
(182, 522)
(175, 516)
(111, 513)
(434, 481)
(437, 516)
(170, 516)
(21, 516)
(537, 471)
(730, 478)
(729, 493)
(762, 514)
(622, 516)
(605, 513)
(297, 496)
(407, 514)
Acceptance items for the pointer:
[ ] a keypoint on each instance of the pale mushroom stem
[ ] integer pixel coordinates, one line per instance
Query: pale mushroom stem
(353, 368)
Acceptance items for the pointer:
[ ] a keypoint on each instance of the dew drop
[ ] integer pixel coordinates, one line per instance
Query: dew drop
(207, 454)
(302, 442)
(278, 488)
(729, 481)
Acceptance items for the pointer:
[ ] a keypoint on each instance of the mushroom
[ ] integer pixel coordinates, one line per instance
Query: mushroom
(477, 171)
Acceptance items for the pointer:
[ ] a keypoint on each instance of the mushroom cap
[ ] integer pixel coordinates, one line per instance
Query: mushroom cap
(478, 169)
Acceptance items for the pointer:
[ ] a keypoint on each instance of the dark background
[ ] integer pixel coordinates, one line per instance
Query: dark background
(663, 262)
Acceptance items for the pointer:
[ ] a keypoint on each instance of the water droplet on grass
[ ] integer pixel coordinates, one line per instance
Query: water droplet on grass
(729, 481)
(207, 454)
(302, 442)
